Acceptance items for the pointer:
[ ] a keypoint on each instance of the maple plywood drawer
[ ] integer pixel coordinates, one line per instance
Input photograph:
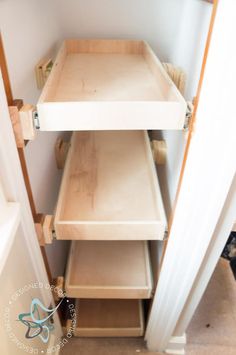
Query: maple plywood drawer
(109, 318)
(109, 269)
(109, 84)
(110, 189)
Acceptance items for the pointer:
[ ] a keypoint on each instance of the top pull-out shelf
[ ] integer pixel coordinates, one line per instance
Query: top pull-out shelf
(109, 85)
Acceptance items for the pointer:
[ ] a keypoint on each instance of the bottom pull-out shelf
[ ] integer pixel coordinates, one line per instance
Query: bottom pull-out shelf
(109, 269)
(109, 318)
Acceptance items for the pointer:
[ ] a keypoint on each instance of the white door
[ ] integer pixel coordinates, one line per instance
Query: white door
(29, 322)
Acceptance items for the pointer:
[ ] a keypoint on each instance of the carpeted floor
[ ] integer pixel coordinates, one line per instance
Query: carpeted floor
(212, 329)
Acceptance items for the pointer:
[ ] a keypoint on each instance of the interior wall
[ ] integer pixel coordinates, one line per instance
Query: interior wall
(176, 30)
(30, 31)
(154, 20)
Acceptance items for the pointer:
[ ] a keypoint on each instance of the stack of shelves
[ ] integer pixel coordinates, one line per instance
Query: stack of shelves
(110, 206)
(109, 93)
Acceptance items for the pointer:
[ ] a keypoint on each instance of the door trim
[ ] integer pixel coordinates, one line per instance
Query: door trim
(15, 190)
(207, 179)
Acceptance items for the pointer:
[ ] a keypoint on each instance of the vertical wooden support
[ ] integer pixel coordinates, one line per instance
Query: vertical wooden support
(27, 182)
(6, 80)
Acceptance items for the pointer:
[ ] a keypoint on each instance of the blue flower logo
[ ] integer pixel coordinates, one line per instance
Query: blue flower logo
(36, 326)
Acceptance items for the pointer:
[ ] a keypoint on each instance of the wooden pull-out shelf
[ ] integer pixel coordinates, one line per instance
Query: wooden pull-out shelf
(109, 84)
(109, 269)
(109, 318)
(110, 189)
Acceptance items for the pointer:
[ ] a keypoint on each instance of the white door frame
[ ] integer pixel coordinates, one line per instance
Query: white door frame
(13, 194)
(193, 248)
(15, 191)
(223, 229)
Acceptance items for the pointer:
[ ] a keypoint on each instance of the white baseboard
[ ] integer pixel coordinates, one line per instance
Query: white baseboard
(176, 345)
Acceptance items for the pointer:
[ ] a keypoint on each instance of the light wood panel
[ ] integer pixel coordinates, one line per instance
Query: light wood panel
(109, 84)
(109, 269)
(111, 46)
(109, 318)
(110, 189)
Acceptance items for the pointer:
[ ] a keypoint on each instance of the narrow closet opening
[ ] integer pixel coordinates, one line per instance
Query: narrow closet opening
(113, 113)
